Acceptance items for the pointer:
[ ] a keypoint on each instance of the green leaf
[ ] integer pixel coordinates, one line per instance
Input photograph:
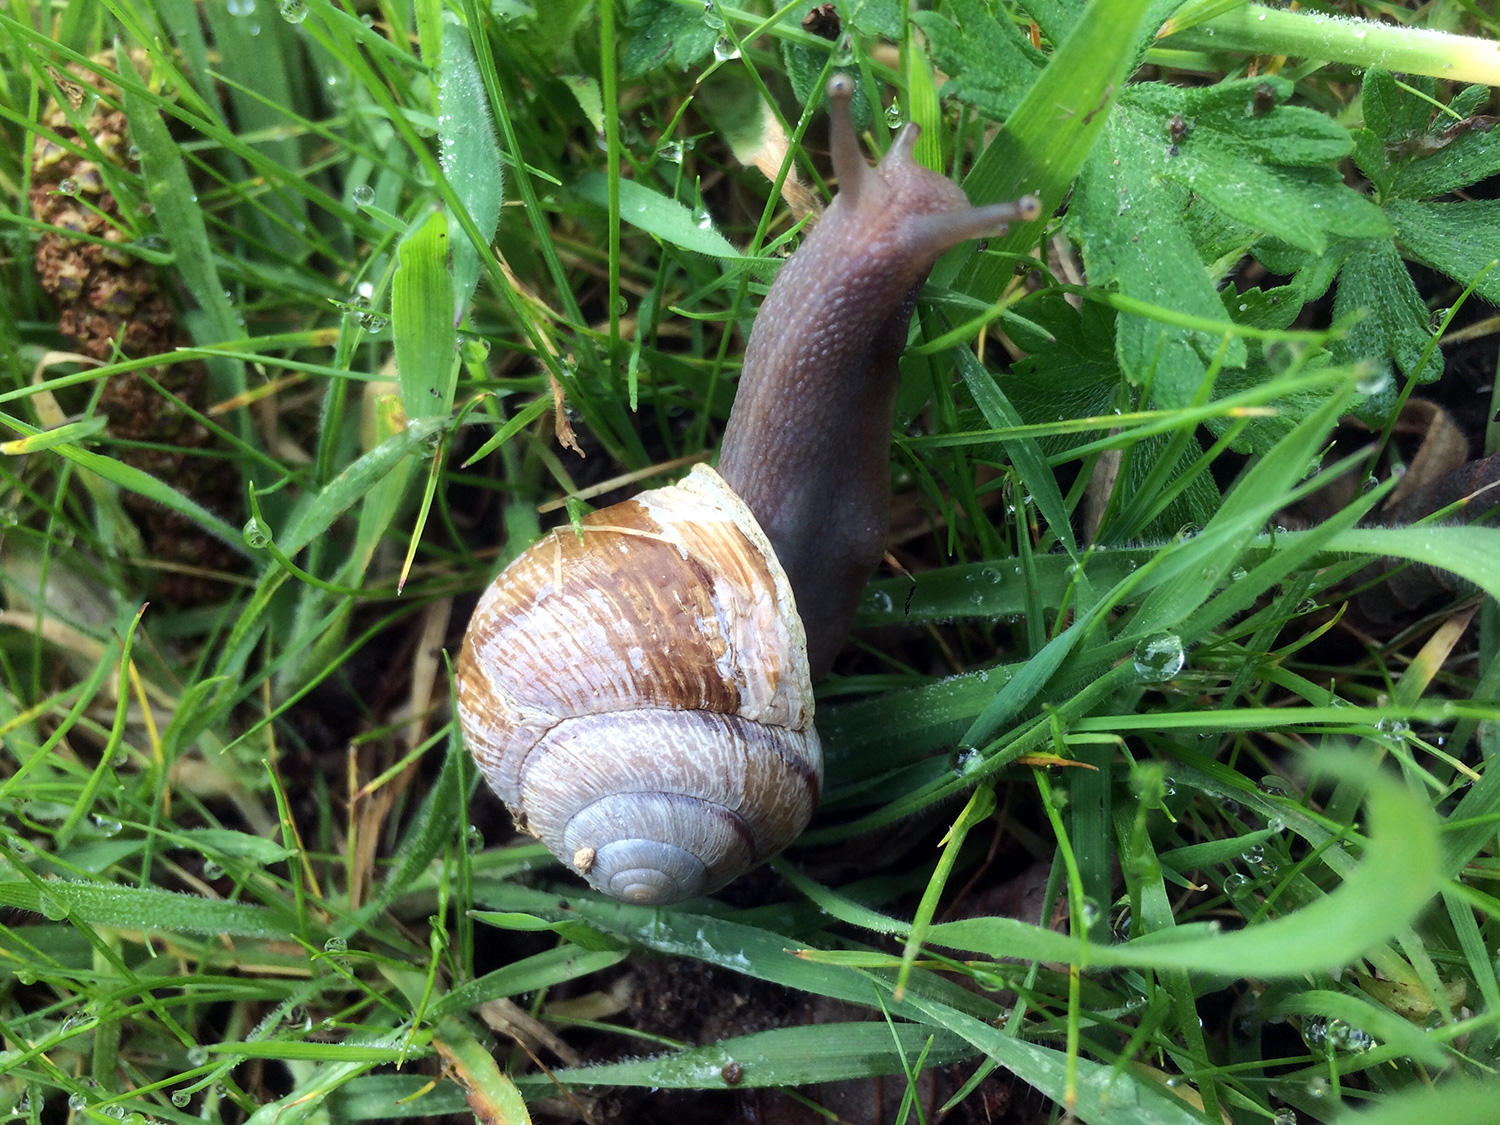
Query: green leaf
(1385, 894)
(875, 17)
(422, 319)
(318, 513)
(236, 845)
(1023, 452)
(470, 157)
(787, 1056)
(990, 63)
(1096, 1093)
(1472, 553)
(1386, 317)
(656, 214)
(1453, 156)
(1473, 1101)
(172, 195)
(581, 935)
(1460, 239)
(665, 32)
(1119, 194)
(1046, 140)
(139, 908)
(529, 974)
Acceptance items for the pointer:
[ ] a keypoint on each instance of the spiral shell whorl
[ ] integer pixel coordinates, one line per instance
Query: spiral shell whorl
(641, 700)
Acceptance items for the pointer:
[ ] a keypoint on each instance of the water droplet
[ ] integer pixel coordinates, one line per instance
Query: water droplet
(241, 7)
(373, 321)
(54, 909)
(1229, 806)
(1315, 1032)
(212, 870)
(701, 218)
(363, 196)
(115, 1111)
(1317, 1088)
(135, 1119)
(1284, 1116)
(256, 534)
(1347, 1037)
(673, 152)
(1396, 730)
(1234, 883)
(336, 945)
(1088, 913)
(1253, 854)
(197, 1056)
(77, 1101)
(711, 15)
(893, 115)
(967, 760)
(843, 50)
(474, 839)
(68, 186)
(725, 49)
(180, 1098)
(293, 11)
(108, 825)
(1374, 382)
(1158, 658)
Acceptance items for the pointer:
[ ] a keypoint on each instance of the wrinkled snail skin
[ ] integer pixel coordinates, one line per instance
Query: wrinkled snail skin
(640, 694)
(808, 441)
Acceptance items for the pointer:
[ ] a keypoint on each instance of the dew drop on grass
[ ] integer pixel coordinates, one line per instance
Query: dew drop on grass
(68, 186)
(293, 11)
(373, 321)
(180, 1098)
(77, 1101)
(257, 535)
(725, 49)
(1088, 914)
(108, 825)
(1284, 1116)
(893, 115)
(1158, 658)
(54, 909)
(363, 196)
(336, 945)
(1374, 383)
(241, 7)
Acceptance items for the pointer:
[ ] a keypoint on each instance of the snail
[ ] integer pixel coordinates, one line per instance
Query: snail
(639, 692)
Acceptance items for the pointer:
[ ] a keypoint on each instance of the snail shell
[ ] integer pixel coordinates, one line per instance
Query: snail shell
(640, 697)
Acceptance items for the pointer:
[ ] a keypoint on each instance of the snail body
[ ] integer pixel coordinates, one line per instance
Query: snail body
(640, 694)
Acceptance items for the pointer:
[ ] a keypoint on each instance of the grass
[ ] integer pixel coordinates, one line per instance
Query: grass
(1137, 673)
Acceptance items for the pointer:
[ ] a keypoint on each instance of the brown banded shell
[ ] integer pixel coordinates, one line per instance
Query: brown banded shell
(641, 699)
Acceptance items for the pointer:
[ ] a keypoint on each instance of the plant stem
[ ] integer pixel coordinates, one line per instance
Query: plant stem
(1269, 31)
